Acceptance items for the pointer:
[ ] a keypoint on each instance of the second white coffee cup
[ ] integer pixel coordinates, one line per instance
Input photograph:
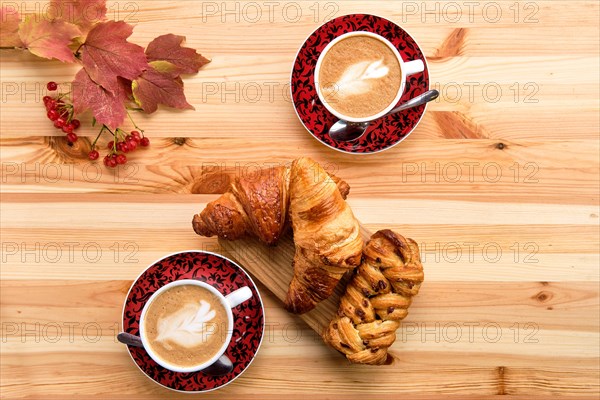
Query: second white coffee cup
(228, 302)
(406, 69)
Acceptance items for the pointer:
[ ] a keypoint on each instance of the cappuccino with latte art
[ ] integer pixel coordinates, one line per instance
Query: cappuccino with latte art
(186, 325)
(359, 76)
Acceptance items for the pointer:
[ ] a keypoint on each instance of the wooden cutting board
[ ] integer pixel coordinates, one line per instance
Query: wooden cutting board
(272, 266)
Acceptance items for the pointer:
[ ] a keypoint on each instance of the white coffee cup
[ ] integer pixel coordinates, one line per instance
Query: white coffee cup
(230, 301)
(406, 69)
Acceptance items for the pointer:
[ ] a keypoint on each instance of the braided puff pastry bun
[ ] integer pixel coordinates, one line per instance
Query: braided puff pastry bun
(376, 299)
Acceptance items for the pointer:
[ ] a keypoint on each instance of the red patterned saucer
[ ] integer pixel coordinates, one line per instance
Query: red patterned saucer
(226, 277)
(386, 132)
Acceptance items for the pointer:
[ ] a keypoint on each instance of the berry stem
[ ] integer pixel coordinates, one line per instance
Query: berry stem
(120, 134)
(98, 137)
(69, 109)
(114, 150)
(134, 124)
(63, 95)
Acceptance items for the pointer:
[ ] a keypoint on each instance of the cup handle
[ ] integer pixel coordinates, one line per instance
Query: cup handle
(239, 296)
(414, 67)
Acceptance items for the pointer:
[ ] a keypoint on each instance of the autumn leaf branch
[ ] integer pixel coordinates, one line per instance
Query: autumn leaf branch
(115, 73)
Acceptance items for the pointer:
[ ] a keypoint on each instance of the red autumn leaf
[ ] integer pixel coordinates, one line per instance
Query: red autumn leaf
(169, 48)
(48, 39)
(107, 107)
(107, 55)
(153, 88)
(83, 13)
(9, 34)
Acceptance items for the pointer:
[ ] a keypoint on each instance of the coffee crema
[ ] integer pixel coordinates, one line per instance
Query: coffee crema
(359, 76)
(186, 325)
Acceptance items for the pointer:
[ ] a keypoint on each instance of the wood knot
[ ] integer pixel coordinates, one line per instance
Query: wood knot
(543, 296)
(212, 183)
(68, 151)
(179, 141)
(457, 125)
(452, 46)
(501, 381)
(501, 146)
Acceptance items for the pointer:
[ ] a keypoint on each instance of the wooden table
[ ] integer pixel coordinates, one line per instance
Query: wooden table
(499, 185)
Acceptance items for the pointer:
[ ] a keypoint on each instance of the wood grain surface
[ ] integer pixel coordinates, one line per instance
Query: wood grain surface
(499, 185)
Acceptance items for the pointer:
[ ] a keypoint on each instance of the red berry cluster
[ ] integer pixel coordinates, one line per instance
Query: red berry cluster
(61, 114)
(122, 143)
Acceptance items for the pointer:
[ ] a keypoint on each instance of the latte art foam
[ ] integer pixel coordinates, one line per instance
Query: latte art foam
(359, 76)
(186, 325)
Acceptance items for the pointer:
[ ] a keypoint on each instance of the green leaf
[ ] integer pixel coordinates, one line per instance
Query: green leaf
(165, 67)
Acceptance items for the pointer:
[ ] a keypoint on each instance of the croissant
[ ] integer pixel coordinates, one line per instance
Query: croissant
(376, 299)
(326, 235)
(254, 205)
